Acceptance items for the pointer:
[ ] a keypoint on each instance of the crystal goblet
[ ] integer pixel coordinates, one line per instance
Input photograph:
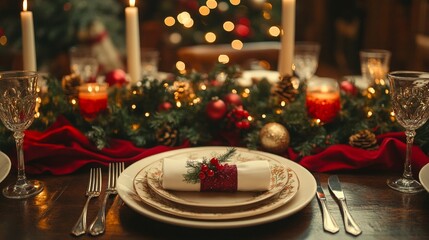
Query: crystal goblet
(306, 59)
(18, 95)
(410, 100)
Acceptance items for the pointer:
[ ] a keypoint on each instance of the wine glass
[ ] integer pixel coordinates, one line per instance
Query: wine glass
(17, 109)
(84, 63)
(306, 59)
(410, 100)
(374, 65)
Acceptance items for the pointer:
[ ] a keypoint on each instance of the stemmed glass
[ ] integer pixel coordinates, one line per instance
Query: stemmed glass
(374, 65)
(306, 59)
(17, 109)
(410, 100)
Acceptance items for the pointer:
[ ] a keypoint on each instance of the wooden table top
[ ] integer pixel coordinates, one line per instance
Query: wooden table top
(382, 213)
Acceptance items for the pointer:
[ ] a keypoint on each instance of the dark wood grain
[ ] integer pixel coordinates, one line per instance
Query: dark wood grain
(381, 213)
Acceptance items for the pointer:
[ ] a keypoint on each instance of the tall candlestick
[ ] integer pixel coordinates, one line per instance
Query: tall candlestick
(287, 38)
(28, 46)
(133, 42)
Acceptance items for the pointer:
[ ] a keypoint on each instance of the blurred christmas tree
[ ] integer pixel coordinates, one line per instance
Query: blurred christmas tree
(61, 24)
(191, 22)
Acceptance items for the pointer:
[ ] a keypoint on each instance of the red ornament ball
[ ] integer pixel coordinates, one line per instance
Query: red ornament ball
(348, 87)
(216, 109)
(116, 77)
(233, 99)
(165, 106)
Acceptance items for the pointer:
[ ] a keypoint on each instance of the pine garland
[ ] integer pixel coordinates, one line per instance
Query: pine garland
(139, 124)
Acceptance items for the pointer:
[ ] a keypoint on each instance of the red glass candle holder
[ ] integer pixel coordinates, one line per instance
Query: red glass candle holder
(92, 99)
(323, 99)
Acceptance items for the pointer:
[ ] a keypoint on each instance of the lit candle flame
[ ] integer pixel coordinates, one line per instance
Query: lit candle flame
(132, 3)
(24, 5)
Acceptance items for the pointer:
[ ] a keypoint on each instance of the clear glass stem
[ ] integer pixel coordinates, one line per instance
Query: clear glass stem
(19, 140)
(407, 165)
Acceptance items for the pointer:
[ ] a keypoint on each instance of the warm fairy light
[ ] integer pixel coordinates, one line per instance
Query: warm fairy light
(37, 115)
(382, 82)
(169, 21)
(132, 3)
(24, 5)
(245, 93)
(263, 116)
(210, 37)
(134, 92)
(228, 26)
(133, 106)
(224, 59)
(175, 38)
(180, 66)
(189, 23)
(250, 118)
(392, 113)
(196, 100)
(371, 90)
(203, 87)
(146, 114)
(237, 44)
(235, 2)
(282, 103)
(204, 10)
(178, 104)
(386, 91)
(369, 114)
(223, 6)
(3, 40)
(234, 91)
(73, 101)
(266, 15)
(279, 111)
(212, 4)
(185, 19)
(274, 31)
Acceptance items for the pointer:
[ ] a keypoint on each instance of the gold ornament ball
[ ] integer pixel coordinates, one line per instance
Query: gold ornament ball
(274, 138)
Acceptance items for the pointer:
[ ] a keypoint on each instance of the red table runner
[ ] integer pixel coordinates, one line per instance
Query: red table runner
(63, 149)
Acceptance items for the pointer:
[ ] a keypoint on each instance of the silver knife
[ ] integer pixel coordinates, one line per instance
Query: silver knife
(349, 223)
(329, 223)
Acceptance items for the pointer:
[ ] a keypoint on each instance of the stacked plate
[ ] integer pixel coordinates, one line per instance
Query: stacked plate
(292, 187)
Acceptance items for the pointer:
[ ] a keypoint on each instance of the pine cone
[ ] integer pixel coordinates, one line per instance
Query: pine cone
(70, 84)
(284, 90)
(166, 136)
(364, 139)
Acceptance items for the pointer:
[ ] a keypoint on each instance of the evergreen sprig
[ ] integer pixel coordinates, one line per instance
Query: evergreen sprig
(195, 167)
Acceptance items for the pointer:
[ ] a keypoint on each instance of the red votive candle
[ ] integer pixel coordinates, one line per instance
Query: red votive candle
(92, 99)
(323, 99)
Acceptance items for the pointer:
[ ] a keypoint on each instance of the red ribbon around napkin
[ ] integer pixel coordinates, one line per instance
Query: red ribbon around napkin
(63, 149)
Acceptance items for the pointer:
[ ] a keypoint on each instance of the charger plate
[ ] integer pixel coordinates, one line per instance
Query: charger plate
(4, 166)
(126, 191)
(424, 177)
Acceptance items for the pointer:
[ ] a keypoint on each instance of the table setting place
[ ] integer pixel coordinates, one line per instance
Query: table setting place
(213, 188)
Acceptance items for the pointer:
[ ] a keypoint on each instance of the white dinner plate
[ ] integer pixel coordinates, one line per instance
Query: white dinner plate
(278, 180)
(125, 187)
(4, 166)
(424, 176)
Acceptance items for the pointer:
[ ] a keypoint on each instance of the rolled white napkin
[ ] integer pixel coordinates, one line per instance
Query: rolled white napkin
(251, 175)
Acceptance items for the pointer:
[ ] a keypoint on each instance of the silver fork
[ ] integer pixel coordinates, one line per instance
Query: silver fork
(99, 224)
(93, 190)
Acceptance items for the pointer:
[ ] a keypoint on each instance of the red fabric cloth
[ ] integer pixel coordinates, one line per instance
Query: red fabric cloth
(390, 156)
(63, 149)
